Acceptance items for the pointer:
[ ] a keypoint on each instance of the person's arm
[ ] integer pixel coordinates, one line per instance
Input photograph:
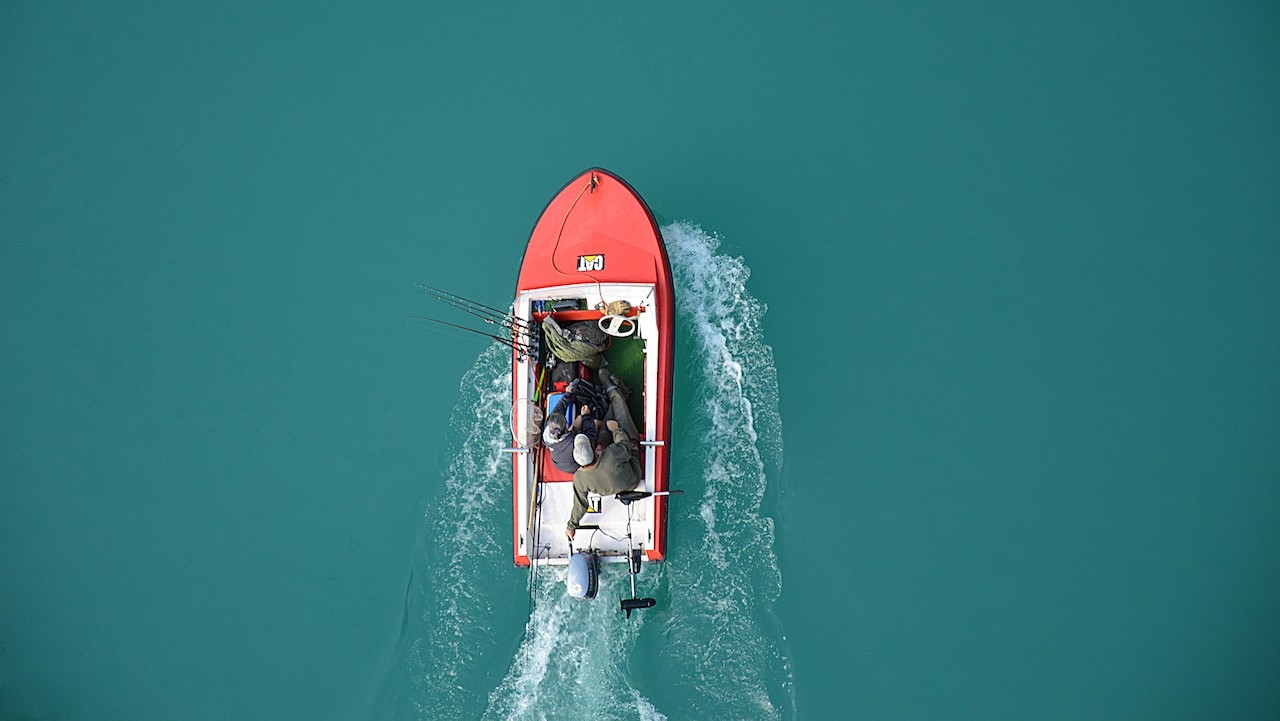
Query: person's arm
(577, 418)
(619, 435)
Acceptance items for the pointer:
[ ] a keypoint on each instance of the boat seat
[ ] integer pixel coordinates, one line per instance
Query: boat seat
(551, 474)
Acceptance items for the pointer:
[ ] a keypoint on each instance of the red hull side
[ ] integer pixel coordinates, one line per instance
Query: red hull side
(598, 213)
(609, 219)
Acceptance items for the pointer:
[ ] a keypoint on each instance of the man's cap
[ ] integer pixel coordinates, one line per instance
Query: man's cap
(583, 453)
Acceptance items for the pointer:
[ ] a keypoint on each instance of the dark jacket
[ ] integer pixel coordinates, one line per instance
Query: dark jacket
(562, 452)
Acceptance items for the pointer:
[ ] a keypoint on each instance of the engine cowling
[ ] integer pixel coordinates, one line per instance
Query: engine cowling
(583, 578)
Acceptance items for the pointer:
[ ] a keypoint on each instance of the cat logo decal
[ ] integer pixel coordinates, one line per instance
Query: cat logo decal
(590, 262)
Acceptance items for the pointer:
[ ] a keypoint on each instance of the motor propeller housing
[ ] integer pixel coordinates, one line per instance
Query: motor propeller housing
(583, 578)
(632, 604)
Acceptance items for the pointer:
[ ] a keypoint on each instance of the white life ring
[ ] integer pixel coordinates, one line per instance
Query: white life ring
(618, 326)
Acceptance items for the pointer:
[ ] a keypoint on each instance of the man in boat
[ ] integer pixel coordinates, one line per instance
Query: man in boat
(559, 435)
(609, 468)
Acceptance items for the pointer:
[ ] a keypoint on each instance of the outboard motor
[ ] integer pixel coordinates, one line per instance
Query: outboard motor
(583, 578)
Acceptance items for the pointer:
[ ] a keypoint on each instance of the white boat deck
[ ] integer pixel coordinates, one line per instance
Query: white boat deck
(542, 537)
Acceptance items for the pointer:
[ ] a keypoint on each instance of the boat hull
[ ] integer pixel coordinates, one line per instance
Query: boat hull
(595, 243)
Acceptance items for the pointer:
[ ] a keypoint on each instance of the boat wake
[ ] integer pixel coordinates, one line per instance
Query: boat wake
(730, 654)
(712, 648)
(455, 647)
(573, 662)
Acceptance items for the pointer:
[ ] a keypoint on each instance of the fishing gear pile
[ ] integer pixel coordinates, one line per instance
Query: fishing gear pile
(576, 346)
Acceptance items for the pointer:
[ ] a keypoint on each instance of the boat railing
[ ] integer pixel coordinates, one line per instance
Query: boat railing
(578, 315)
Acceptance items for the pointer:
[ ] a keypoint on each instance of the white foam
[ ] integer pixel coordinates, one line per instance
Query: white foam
(572, 663)
(733, 654)
(462, 523)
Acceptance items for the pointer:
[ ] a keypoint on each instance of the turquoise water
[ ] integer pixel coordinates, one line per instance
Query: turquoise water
(978, 376)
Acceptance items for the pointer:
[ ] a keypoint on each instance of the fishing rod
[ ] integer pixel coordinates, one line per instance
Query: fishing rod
(515, 345)
(444, 295)
(535, 520)
(476, 309)
(539, 453)
(509, 322)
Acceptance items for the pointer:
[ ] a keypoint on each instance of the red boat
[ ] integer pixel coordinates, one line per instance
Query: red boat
(595, 255)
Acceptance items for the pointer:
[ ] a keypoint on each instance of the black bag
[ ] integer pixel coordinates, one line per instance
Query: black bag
(589, 332)
(564, 372)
